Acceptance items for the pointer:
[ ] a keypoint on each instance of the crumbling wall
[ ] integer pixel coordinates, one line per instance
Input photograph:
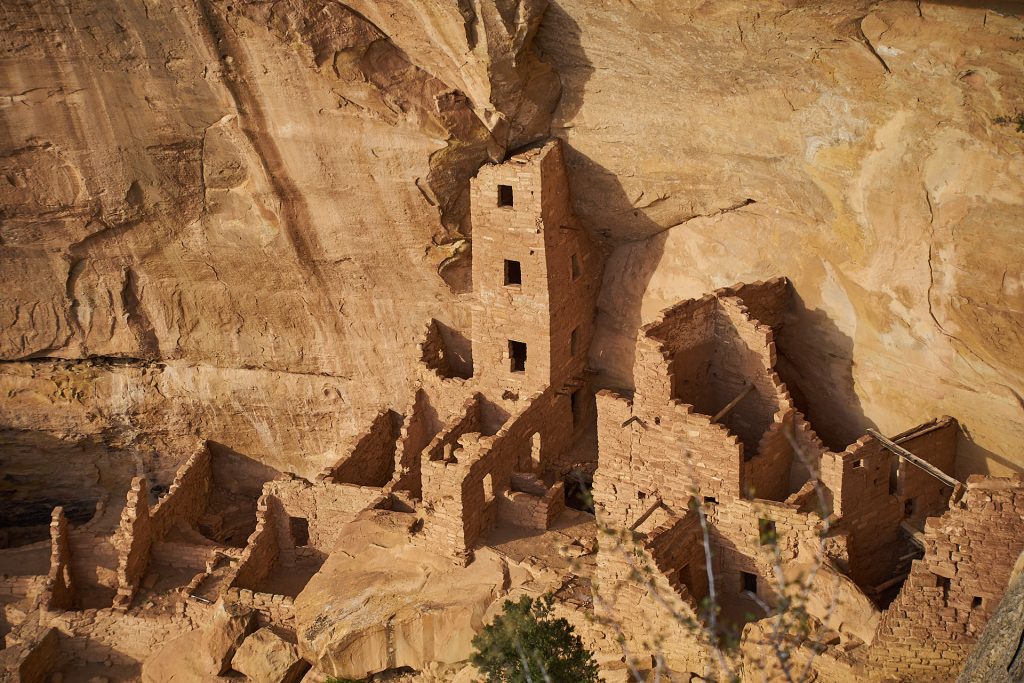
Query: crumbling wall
(261, 551)
(186, 498)
(325, 506)
(420, 426)
(140, 529)
(663, 452)
(673, 355)
(59, 593)
(643, 609)
(32, 658)
(446, 352)
(464, 472)
(936, 619)
(132, 540)
(371, 461)
(766, 301)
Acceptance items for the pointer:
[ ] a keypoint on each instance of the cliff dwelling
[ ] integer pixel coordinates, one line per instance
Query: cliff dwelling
(332, 330)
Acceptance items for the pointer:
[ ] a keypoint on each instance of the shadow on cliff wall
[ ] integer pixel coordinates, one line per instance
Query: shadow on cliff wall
(815, 360)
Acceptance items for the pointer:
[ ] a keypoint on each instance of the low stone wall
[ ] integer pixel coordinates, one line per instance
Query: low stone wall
(270, 608)
(32, 659)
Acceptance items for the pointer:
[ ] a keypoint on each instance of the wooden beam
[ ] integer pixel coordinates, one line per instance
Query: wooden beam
(733, 403)
(904, 454)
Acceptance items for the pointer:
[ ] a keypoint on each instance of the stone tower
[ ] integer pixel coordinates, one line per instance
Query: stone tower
(534, 277)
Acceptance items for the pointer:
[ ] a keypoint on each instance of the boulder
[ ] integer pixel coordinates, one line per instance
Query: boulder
(230, 625)
(265, 657)
(179, 661)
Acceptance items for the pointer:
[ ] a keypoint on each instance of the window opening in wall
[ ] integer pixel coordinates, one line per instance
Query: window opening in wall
(908, 507)
(513, 273)
(748, 582)
(574, 262)
(535, 452)
(710, 500)
(299, 527)
(574, 342)
(858, 463)
(894, 475)
(504, 195)
(576, 404)
(517, 354)
(943, 583)
(766, 532)
(976, 602)
(488, 488)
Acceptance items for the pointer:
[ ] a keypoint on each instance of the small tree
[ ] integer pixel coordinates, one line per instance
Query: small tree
(525, 644)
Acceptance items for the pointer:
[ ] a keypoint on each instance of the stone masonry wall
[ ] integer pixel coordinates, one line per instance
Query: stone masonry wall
(325, 505)
(59, 593)
(261, 550)
(936, 619)
(187, 496)
(133, 540)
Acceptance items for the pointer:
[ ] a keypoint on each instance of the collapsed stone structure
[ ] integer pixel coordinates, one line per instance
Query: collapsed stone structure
(709, 452)
(711, 437)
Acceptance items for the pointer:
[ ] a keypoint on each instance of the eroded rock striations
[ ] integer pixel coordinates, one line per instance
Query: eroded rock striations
(320, 322)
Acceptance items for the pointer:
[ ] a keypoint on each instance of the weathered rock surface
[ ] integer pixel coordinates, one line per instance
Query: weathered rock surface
(265, 657)
(230, 626)
(381, 602)
(256, 206)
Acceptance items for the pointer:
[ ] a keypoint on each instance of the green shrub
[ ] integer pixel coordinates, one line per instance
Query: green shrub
(525, 643)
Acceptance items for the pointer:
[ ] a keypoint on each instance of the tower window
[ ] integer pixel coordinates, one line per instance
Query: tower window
(574, 342)
(517, 352)
(513, 273)
(766, 531)
(576, 405)
(575, 265)
(976, 602)
(748, 582)
(504, 195)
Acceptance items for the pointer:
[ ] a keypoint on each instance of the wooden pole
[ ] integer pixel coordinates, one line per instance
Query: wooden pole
(904, 454)
(733, 403)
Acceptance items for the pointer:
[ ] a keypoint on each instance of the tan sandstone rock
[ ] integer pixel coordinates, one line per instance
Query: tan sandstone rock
(265, 657)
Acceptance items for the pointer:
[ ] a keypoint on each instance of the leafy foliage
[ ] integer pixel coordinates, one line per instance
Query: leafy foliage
(525, 643)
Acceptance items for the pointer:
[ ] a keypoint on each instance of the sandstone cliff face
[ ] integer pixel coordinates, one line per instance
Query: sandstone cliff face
(258, 205)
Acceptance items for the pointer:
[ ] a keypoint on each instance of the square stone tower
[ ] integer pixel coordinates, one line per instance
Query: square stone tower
(535, 277)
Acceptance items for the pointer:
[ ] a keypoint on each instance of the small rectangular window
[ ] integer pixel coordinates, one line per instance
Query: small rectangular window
(513, 273)
(858, 463)
(766, 531)
(517, 354)
(299, 527)
(504, 195)
(908, 507)
(976, 602)
(943, 583)
(576, 404)
(575, 263)
(748, 582)
(574, 342)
